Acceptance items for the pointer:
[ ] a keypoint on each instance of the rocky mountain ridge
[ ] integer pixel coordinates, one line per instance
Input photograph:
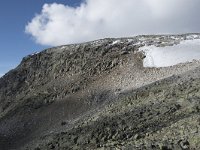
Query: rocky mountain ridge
(63, 95)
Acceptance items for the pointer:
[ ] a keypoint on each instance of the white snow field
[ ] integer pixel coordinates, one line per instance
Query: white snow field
(186, 51)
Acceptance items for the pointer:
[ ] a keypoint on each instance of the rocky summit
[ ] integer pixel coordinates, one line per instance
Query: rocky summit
(100, 95)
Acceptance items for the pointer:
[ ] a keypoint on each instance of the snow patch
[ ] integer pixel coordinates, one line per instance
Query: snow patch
(130, 40)
(115, 42)
(34, 53)
(63, 47)
(186, 51)
(191, 37)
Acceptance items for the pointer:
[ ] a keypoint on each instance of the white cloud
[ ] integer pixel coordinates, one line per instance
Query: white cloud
(59, 24)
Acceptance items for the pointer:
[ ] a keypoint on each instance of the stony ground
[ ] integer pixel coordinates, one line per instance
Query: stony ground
(163, 115)
(98, 95)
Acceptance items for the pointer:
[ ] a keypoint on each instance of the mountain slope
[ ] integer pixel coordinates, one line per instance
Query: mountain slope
(162, 115)
(64, 95)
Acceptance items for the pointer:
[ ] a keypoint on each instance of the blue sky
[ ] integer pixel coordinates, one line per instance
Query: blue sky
(14, 42)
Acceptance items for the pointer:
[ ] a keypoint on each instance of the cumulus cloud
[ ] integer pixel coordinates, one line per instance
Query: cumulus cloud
(59, 24)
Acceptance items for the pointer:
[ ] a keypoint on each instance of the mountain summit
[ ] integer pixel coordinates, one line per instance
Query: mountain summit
(127, 93)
